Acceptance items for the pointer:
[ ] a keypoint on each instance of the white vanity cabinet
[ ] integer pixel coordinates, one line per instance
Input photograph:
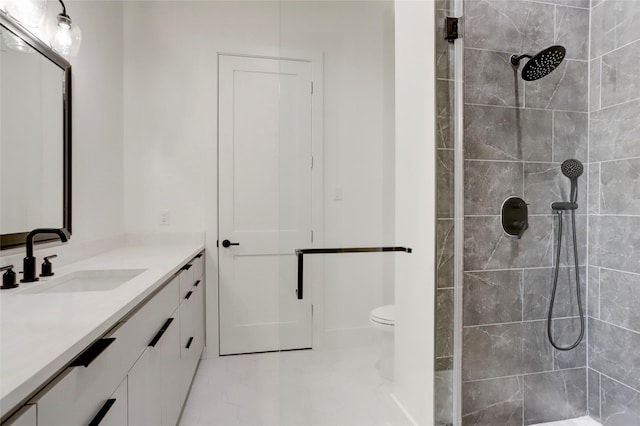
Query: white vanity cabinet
(139, 373)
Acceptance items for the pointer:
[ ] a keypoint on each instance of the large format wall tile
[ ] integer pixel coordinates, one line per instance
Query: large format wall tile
(444, 323)
(567, 255)
(564, 89)
(572, 31)
(620, 80)
(555, 396)
(536, 289)
(620, 186)
(492, 351)
(486, 246)
(593, 172)
(593, 292)
(570, 136)
(594, 84)
(566, 332)
(492, 297)
(444, 249)
(614, 242)
(509, 26)
(614, 23)
(620, 299)
(492, 402)
(505, 350)
(443, 387)
(445, 178)
(499, 133)
(490, 79)
(444, 116)
(615, 132)
(593, 397)
(620, 405)
(543, 185)
(613, 351)
(488, 183)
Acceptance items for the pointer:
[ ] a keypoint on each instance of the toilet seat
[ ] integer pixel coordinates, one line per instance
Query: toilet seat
(383, 315)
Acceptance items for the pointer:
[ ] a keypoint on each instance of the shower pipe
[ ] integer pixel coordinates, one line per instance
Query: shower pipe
(301, 252)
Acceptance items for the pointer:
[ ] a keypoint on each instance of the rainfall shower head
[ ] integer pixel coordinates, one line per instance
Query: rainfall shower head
(540, 64)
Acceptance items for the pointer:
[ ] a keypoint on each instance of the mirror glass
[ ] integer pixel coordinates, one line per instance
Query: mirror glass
(34, 136)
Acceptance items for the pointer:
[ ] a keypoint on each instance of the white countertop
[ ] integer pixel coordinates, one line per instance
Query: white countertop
(41, 333)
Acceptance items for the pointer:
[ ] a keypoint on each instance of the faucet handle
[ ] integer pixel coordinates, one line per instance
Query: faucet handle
(47, 267)
(8, 278)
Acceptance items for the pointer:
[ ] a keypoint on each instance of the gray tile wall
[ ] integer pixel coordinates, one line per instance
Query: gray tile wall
(516, 135)
(614, 214)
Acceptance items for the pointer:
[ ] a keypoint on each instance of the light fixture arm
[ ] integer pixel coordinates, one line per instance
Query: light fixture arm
(64, 9)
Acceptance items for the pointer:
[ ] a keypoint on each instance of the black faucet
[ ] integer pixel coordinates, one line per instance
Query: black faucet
(29, 262)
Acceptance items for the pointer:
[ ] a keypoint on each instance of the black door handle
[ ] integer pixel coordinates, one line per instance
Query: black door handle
(227, 244)
(103, 412)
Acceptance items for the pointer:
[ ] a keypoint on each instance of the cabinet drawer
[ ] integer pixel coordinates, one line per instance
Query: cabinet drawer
(198, 267)
(186, 281)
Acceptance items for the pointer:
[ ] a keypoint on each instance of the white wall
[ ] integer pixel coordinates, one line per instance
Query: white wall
(97, 167)
(170, 110)
(415, 207)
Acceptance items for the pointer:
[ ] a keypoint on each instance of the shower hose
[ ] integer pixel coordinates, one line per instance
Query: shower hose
(555, 284)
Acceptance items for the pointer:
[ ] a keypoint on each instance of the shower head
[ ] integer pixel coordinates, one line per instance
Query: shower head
(540, 64)
(573, 170)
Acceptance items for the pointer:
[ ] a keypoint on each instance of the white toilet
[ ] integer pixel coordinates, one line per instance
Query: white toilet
(384, 319)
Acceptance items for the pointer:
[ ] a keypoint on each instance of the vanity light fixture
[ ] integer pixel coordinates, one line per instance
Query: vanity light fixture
(67, 37)
(29, 12)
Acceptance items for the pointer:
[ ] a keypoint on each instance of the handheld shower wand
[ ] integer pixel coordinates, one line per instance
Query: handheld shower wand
(572, 169)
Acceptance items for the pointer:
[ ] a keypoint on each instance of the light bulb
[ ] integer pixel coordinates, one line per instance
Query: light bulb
(67, 37)
(30, 13)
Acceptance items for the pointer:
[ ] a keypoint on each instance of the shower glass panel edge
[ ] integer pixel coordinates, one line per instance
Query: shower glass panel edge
(458, 255)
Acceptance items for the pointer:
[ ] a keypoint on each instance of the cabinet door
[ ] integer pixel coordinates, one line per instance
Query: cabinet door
(145, 396)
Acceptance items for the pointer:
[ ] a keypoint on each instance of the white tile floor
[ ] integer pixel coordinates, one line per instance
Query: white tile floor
(580, 421)
(313, 387)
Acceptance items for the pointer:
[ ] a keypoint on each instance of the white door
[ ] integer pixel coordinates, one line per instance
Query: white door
(264, 108)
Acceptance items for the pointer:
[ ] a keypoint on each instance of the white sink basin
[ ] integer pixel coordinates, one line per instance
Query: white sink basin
(84, 281)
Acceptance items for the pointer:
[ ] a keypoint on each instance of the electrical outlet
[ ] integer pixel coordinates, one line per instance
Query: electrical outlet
(165, 218)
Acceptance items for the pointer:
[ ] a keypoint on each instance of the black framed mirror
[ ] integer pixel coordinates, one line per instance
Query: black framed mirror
(35, 136)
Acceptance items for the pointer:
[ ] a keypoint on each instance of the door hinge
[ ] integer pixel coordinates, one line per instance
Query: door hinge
(312, 236)
(312, 87)
(312, 309)
(312, 161)
(452, 30)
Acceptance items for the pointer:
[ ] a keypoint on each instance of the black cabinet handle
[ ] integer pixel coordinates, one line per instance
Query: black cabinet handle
(188, 295)
(103, 412)
(186, 267)
(189, 343)
(87, 357)
(157, 337)
(196, 283)
(198, 256)
(227, 244)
